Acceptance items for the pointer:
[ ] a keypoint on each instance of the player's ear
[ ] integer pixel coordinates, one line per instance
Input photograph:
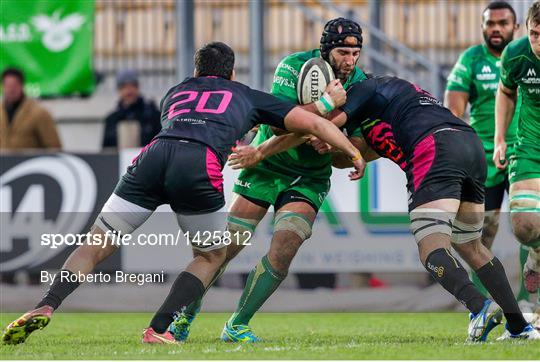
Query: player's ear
(233, 75)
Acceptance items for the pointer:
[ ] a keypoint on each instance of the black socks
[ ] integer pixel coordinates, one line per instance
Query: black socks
(62, 286)
(186, 289)
(449, 273)
(494, 278)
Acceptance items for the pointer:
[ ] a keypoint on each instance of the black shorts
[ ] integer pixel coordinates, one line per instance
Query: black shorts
(184, 174)
(447, 164)
(495, 195)
(283, 199)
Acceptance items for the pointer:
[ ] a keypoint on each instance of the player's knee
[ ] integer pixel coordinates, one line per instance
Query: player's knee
(526, 227)
(240, 232)
(525, 207)
(215, 257)
(491, 225)
(426, 222)
(293, 222)
(464, 232)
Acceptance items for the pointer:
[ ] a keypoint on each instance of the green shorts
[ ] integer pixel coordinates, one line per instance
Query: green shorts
(265, 184)
(525, 163)
(494, 175)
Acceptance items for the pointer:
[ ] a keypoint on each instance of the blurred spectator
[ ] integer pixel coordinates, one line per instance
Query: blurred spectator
(131, 107)
(24, 124)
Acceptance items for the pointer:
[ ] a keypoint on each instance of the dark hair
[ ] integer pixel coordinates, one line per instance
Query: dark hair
(533, 15)
(13, 72)
(497, 5)
(214, 59)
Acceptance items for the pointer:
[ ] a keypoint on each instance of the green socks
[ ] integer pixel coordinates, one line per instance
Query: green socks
(261, 283)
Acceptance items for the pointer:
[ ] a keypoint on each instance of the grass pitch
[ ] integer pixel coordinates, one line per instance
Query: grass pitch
(286, 336)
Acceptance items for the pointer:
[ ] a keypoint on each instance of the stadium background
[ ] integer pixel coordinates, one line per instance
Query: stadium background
(364, 229)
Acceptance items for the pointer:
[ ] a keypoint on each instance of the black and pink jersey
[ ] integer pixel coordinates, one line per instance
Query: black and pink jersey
(395, 115)
(217, 112)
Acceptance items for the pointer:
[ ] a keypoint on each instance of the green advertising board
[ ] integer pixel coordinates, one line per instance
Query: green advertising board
(51, 41)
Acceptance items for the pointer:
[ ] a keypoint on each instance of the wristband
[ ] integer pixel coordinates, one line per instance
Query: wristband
(325, 104)
(356, 157)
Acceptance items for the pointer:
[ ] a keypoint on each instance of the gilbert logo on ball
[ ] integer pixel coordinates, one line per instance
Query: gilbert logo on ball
(314, 76)
(57, 33)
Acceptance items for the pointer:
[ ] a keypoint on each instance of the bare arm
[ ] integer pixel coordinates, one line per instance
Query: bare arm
(456, 102)
(301, 121)
(308, 107)
(505, 105)
(340, 160)
(247, 156)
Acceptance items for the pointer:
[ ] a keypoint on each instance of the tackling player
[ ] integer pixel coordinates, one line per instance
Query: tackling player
(474, 79)
(520, 68)
(202, 117)
(295, 182)
(446, 169)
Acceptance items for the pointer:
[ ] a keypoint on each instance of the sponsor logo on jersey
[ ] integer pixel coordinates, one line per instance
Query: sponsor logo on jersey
(531, 78)
(282, 81)
(192, 120)
(289, 68)
(455, 78)
(487, 74)
(429, 101)
(461, 67)
(490, 86)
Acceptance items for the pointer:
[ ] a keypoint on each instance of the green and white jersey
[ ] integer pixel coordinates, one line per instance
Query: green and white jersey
(521, 68)
(477, 73)
(302, 160)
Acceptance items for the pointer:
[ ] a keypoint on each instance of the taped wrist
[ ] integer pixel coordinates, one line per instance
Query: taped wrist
(325, 104)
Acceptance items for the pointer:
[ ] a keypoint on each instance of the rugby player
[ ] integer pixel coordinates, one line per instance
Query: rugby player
(294, 182)
(445, 167)
(202, 117)
(474, 79)
(520, 68)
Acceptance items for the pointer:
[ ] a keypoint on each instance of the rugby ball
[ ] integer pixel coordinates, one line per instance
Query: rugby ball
(314, 76)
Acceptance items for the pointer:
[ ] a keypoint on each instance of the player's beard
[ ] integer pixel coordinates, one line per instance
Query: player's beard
(498, 47)
(341, 75)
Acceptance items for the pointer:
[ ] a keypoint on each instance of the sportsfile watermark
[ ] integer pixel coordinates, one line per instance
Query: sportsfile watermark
(118, 239)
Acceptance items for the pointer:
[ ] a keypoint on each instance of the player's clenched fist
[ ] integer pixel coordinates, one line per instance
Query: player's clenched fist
(359, 165)
(336, 92)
